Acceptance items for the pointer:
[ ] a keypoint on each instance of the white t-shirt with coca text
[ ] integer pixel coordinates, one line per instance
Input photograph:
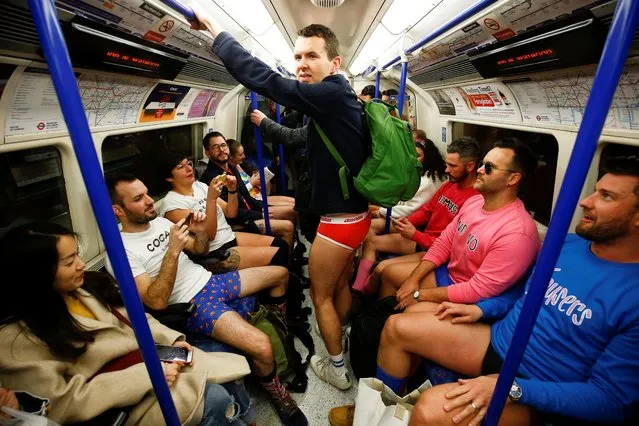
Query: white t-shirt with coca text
(146, 250)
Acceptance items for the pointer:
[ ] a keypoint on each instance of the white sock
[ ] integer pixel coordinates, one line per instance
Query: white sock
(338, 363)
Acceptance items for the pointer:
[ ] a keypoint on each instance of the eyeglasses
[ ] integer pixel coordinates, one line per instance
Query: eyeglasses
(218, 147)
(181, 166)
(489, 167)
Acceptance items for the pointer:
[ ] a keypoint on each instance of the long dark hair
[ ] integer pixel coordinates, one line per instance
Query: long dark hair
(434, 164)
(31, 257)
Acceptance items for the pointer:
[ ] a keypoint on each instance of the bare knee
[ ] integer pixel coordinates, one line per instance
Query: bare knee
(385, 276)
(261, 349)
(287, 226)
(423, 413)
(393, 330)
(379, 269)
(281, 276)
(277, 276)
(320, 297)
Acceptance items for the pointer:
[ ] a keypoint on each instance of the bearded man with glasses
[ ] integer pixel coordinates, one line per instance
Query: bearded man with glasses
(249, 212)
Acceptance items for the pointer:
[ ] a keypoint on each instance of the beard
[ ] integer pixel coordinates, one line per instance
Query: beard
(141, 219)
(602, 233)
(459, 179)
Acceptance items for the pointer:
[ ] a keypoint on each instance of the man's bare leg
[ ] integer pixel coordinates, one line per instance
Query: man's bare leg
(281, 228)
(429, 410)
(393, 276)
(285, 212)
(281, 200)
(326, 265)
(274, 278)
(377, 226)
(458, 347)
(233, 330)
(328, 268)
(343, 298)
(373, 244)
(376, 276)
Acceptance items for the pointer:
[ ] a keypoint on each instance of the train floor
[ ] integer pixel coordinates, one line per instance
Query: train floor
(319, 397)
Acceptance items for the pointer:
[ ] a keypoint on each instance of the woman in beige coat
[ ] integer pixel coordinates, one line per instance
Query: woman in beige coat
(60, 339)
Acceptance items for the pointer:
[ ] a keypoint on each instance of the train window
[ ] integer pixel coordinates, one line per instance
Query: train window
(139, 152)
(537, 195)
(33, 188)
(615, 150)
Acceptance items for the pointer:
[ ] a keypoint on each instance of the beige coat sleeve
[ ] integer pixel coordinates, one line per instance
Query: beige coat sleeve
(162, 334)
(75, 398)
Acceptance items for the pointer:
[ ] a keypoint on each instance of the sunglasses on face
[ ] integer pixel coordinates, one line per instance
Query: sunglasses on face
(489, 167)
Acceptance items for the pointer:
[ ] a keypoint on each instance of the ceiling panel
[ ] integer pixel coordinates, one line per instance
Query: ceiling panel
(351, 21)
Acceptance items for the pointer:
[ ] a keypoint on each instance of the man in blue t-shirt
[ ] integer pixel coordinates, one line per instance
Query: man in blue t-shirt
(582, 360)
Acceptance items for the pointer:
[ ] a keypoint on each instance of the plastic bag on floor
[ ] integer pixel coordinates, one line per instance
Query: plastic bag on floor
(378, 405)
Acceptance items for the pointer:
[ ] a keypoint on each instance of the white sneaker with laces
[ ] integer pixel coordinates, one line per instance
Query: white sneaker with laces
(324, 369)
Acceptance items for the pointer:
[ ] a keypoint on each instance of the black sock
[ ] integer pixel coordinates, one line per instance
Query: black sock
(280, 258)
(269, 377)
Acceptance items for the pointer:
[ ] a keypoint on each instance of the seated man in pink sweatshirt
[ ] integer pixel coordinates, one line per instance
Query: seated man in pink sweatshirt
(462, 156)
(487, 248)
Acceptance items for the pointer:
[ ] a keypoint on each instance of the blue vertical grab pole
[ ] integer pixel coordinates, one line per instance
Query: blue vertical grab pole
(278, 116)
(260, 165)
(378, 79)
(603, 90)
(66, 86)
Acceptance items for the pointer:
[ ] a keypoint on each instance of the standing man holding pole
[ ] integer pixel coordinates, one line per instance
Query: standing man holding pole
(327, 98)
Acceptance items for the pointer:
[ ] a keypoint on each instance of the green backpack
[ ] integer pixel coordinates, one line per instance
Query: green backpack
(282, 335)
(392, 172)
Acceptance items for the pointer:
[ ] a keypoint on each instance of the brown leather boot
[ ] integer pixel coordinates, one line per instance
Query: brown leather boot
(342, 416)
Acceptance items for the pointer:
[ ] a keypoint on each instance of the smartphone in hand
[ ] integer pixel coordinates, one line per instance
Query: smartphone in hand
(174, 353)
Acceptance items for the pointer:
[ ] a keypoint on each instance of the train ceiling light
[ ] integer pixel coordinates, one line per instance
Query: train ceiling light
(327, 3)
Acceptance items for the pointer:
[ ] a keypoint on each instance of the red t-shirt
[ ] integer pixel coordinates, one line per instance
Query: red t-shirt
(437, 213)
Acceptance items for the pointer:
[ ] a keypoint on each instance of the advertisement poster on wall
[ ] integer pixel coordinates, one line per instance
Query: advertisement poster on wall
(162, 102)
(205, 103)
(491, 101)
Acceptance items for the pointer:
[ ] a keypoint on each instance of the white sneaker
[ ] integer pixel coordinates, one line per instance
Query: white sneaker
(324, 369)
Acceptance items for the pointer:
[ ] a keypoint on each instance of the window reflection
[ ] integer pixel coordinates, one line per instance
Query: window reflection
(139, 153)
(33, 188)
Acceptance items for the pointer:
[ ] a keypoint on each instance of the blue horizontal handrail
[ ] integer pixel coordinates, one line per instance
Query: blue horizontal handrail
(603, 90)
(66, 87)
(468, 13)
(182, 9)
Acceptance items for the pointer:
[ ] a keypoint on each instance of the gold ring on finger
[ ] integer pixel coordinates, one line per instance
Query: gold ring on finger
(475, 407)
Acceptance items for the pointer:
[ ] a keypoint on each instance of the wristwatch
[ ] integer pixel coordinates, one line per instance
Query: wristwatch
(515, 392)
(416, 295)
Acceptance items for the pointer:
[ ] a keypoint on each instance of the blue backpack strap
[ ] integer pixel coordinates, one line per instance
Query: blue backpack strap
(343, 168)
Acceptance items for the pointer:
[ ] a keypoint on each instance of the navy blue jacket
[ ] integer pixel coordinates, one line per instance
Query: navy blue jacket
(331, 103)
